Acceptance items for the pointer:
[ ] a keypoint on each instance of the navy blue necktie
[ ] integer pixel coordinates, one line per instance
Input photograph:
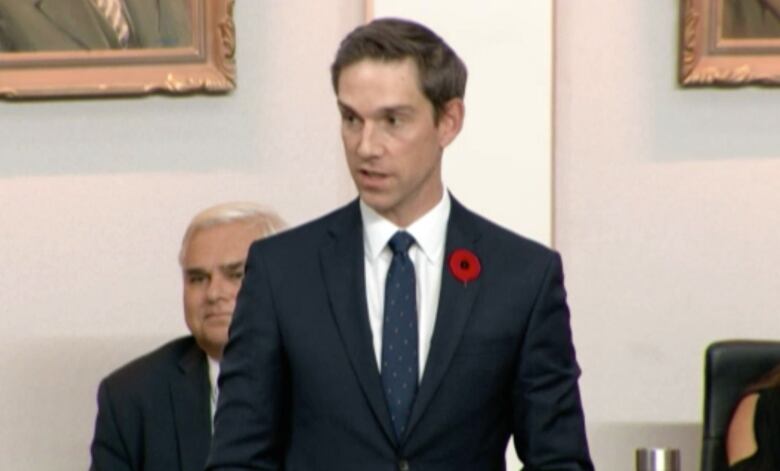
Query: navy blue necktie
(399, 333)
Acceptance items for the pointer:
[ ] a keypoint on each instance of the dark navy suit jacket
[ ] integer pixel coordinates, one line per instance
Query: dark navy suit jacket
(154, 413)
(301, 391)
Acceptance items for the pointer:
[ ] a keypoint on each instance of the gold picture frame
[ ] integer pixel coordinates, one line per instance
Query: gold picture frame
(730, 42)
(207, 65)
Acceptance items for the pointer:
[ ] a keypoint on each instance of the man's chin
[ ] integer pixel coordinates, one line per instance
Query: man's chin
(378, 202)
(216, 334)
(212, 343)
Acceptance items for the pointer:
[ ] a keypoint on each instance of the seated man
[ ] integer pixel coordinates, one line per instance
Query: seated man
(156, 412)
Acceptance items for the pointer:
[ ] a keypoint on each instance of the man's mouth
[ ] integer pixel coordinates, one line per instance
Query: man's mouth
(371, 177)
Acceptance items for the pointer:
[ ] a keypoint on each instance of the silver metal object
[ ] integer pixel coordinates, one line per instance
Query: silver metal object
(657, 459)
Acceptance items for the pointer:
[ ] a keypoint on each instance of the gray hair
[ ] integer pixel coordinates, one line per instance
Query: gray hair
(267, 221)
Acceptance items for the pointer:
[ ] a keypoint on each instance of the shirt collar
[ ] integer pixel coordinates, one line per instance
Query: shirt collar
(429, 231)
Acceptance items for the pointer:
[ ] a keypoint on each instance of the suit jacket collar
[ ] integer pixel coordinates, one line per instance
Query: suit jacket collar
(344, 274)
(144, 19)
(191, 409)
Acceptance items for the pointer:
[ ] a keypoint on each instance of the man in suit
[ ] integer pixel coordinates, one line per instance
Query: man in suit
(154, 414)
(57, 25)
(402, 331)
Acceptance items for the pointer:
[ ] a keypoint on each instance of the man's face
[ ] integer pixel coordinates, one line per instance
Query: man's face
(212, 270)
(392, 145)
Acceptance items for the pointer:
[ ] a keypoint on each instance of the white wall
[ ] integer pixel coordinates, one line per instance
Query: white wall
(96, 195)
(667, 218)
(500, 164)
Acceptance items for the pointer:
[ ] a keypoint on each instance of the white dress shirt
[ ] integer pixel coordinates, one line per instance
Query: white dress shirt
(427, 254)
(213, 390)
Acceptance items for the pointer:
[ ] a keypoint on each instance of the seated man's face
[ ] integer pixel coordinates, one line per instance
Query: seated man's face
(213, 268)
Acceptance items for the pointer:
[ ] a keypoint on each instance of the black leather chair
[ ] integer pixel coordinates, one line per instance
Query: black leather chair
(730, 365)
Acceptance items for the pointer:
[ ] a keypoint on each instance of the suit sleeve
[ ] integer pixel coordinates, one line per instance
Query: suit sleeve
(549, 426)
(251, 417)
(108, 450)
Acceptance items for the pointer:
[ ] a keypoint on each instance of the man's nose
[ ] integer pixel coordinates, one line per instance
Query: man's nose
(369, 145)
(219, 288)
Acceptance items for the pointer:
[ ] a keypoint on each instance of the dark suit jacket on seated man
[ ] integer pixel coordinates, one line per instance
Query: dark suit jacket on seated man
(154, 414)
(56, 25)
(401, 331)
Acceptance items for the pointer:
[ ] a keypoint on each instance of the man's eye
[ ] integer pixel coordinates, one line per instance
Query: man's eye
(237, 275)
(196, 279)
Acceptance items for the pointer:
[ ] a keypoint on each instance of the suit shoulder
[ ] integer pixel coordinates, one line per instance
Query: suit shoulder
(151, 367)
(307, 235)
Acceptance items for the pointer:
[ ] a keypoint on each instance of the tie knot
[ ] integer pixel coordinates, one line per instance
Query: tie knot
(400, 242)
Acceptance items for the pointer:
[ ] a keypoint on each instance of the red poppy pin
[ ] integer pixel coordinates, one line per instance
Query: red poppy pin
(464, 265)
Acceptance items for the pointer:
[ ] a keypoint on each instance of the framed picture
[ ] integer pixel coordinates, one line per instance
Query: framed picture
(730, 42)
(60, 48)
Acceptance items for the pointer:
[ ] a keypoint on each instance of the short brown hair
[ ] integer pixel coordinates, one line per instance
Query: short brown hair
(442, 74)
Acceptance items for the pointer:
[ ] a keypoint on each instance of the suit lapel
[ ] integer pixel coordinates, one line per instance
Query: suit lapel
(344, 274)
(191, 409)
(79, 20)
(455, 302)
(144, 19)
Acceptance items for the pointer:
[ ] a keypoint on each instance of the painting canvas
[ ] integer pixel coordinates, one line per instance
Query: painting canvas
(730, 42)
(115, 47)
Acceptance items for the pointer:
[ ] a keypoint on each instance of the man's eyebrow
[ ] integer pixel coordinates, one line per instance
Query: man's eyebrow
(233, 266)
(383, 111)
(399, 109)
(195, 271)
(345, 107)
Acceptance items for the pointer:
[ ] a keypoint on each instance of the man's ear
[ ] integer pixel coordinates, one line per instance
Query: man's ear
(450, 121)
